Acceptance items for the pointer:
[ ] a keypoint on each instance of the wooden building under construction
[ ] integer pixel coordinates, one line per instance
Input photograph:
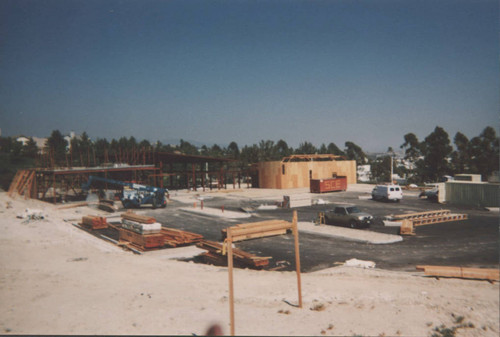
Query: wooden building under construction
(297, 170)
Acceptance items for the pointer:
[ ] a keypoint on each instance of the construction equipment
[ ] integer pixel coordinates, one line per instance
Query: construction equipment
(133, 195)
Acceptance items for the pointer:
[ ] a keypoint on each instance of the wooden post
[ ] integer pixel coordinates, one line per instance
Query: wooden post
(297, 256)
(229, 242)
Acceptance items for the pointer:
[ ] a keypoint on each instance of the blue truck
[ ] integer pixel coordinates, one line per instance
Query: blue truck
(133, 195)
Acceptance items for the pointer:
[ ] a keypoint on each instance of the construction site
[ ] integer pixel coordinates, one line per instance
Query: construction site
(174, 244)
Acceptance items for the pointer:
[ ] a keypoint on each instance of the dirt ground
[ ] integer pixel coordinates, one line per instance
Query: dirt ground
(58, 279)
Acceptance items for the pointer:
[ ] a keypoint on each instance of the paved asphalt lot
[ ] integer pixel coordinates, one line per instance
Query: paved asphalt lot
(468, 243)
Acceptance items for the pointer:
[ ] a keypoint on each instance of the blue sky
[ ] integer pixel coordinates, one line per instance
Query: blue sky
(366, 71)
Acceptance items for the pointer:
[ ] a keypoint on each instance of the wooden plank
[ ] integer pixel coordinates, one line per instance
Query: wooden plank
(297, 256)
(259, 229)
(229, 244)
(260, 223)
(461, 272)
(258, 235)
(139, 218)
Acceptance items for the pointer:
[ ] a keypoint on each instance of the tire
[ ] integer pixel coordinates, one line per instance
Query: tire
(352, 224)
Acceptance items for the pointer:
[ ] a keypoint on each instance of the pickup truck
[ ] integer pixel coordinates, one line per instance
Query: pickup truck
(348, 216)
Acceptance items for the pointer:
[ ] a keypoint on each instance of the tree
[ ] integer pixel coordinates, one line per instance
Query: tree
(249, 155)
(56, 145)
(282, 149)
(233, 151)
(306, 148)
(30, 149)
(216, 151)
(381, 169)
(460, 158)
(436, 150)
(187, 148)
(484, 156)
(267, 151)
(102, 149)
(333, 149)
(354, 152)
(412, 147)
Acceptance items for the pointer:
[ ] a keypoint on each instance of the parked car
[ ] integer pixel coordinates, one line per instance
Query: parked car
(348, 216)
(432, 194)
(387, 192)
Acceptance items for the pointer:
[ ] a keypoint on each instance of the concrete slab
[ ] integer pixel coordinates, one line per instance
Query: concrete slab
(360, 235)
(216, 212)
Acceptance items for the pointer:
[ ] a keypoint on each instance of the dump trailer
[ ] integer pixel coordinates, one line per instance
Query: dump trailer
(133, 195)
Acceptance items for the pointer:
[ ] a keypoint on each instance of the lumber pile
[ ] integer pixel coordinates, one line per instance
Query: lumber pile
(259, 229)
(176, 237)
(94, 222)
(217, 255)
(140, 224)
(138, 218)
(461, 272)
(145, 233)
(141, 241)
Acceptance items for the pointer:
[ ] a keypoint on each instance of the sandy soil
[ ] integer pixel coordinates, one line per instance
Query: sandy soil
(57, 279)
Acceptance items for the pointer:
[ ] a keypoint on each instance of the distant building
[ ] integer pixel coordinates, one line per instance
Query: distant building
(364, 173)
(40, 142)
(296, 171)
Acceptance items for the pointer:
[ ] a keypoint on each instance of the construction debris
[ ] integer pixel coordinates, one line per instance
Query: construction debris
(461, 272)
(359, 263)
(107, 205)
(32, 214)
(216, 255)
(259, 229)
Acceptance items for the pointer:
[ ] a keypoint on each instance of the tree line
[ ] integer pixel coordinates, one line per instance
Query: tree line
(428, 159)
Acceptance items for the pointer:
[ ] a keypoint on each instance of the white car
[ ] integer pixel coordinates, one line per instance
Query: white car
(387, 192)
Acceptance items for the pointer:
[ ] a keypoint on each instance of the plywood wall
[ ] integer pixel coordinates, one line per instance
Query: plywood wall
(277, 174)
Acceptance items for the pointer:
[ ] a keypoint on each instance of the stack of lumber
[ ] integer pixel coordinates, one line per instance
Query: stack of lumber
(140, 224)
(259, 229)
(145, 233)
(141, 231)
(141, 228)
(176, 237)
(138, 218)
(141, 241)
(241, 258)
(461, 272)
(94, 222)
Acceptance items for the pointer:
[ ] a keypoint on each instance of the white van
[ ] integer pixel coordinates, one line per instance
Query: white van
(387, 192)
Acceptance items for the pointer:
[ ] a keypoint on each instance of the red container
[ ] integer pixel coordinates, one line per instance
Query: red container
(328, 185)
